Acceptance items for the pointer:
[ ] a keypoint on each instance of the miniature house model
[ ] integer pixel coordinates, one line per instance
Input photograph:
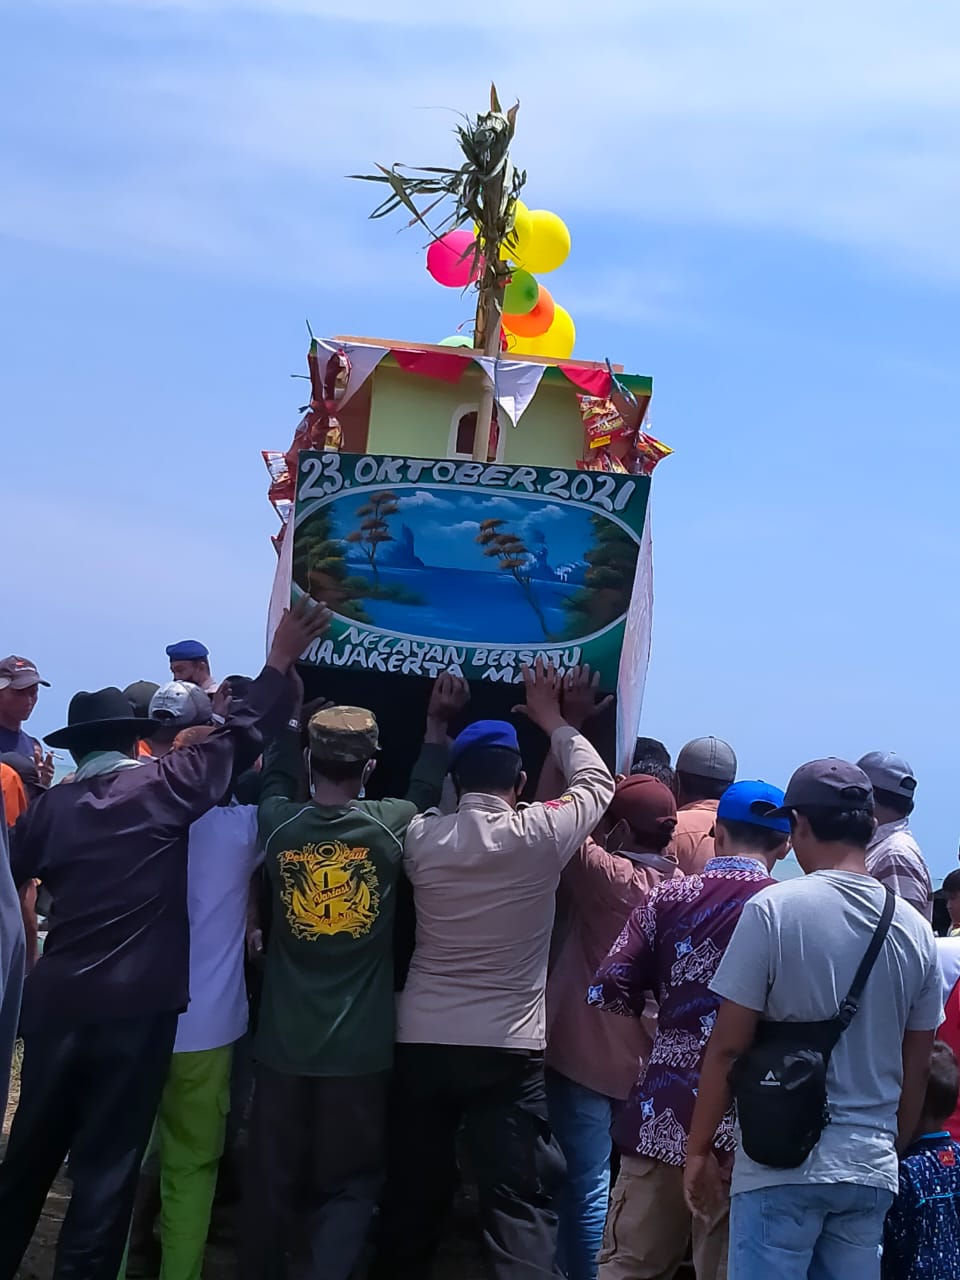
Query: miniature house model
(422, 401)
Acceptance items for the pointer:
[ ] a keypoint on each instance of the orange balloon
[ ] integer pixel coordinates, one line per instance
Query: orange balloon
(534, 322)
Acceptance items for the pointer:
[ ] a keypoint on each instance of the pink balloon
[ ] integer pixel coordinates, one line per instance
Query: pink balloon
(450, 259)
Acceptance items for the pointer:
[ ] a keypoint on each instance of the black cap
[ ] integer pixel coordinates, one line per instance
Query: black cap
(828, 784)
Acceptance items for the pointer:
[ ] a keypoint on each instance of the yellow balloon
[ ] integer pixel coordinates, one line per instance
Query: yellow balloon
(522, 229)
(545, 244)
(558, 342)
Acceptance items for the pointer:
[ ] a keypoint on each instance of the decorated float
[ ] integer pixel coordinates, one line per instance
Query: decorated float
(477, 503)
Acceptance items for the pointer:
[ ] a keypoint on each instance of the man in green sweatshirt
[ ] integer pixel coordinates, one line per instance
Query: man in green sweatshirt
(324, 1045)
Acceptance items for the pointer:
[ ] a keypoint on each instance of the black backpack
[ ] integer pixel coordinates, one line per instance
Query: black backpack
(780, 1083)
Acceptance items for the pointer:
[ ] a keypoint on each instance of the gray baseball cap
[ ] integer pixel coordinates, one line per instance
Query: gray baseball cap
(827, 784)
(889, 772)
(708, 758)
(180, 703)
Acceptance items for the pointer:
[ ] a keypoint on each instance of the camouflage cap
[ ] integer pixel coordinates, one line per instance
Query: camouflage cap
(346, 735)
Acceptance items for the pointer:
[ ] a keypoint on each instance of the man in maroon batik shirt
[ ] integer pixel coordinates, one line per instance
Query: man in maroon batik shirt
(672, 945)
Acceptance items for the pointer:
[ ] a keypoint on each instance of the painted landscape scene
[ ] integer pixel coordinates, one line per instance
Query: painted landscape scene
(459, 566)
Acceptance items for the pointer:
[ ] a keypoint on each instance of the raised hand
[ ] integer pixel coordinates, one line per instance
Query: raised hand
(542, 686)
(45, 765)
(581, 696)
(298, 628)
(450, 694)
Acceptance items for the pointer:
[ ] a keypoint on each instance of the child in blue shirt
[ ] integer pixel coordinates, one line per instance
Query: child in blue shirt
(921, 1239)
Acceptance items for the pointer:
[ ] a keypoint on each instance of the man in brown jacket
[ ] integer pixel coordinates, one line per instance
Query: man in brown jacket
(705, 768)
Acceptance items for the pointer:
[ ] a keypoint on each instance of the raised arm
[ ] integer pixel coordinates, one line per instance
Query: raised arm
(587, 782)
(198, 776)
(449, 696)
(580, 703)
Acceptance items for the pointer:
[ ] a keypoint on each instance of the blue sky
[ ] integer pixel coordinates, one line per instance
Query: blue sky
(763, 202)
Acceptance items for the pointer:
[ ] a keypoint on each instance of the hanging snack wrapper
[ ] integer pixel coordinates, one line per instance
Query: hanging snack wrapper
(602, 421)
(336, 379)
(281, 481)
(601, 459)
(645, 453)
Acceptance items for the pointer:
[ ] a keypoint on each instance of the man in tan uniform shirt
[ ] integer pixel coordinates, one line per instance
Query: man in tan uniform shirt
(471, 1020)
(705, 768)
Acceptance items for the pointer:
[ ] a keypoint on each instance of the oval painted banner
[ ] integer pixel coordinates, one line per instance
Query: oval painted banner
(432, 564)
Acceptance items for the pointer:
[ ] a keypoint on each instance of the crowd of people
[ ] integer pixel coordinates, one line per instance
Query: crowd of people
(618, 1032)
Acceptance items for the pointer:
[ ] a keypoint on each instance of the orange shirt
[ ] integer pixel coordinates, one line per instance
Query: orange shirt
(14, 796)
(692, 843)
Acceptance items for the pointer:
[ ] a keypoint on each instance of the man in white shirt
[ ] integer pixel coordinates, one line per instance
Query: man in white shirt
(893, 855)
(471, 1020)
(223, 854)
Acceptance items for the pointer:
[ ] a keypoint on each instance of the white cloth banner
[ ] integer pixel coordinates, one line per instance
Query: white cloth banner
(363, 361)
(635, 654)
(282, 583)
(515, 383)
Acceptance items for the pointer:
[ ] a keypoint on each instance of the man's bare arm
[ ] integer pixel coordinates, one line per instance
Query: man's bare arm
(916, 1069)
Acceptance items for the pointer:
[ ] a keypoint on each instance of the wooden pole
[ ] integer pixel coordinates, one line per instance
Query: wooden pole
(489, 307)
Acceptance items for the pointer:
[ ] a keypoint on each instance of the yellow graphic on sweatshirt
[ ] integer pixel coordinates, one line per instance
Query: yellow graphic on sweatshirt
(329, 888)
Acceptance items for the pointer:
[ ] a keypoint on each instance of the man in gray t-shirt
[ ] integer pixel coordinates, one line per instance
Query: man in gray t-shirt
(792, 958)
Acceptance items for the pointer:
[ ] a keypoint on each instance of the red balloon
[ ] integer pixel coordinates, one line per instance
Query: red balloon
(450, 260)
(535, 322)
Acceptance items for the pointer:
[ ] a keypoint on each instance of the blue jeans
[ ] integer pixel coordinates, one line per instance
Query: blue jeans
(813, 1231)
(580, 1120)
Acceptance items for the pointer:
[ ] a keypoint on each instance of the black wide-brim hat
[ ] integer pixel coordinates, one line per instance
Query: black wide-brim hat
(96, 715)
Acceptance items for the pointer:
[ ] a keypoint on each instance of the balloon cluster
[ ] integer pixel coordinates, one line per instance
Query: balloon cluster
(533, 324)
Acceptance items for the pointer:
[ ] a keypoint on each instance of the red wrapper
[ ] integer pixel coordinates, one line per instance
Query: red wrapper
(646, 453)
(602, 421)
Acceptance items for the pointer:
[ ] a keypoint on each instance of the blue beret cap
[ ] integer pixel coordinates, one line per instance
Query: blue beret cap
(187, 651)
(484, 733)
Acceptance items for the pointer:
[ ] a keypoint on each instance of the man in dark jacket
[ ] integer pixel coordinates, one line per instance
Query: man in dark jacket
(100, 1009)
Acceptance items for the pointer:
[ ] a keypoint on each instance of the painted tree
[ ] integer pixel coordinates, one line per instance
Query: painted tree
(483, 192)
(374, 530)
(320, 568)
(608, 581)
(514, 556)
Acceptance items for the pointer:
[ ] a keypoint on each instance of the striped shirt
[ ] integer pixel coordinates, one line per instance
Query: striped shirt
(894, 858)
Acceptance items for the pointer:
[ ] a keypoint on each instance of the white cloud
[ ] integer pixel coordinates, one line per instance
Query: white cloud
(426, 499)
(223, 137)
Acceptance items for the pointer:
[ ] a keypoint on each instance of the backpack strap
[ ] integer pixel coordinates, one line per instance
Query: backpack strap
(851, 1003)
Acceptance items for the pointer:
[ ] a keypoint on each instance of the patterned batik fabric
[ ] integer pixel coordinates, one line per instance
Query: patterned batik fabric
(672, 945)
(921, 1237)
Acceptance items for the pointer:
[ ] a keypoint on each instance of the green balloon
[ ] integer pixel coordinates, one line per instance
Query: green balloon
(456, 340)
(521, 294)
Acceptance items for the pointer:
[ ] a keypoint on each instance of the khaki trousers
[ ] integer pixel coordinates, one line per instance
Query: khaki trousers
(649, 1226)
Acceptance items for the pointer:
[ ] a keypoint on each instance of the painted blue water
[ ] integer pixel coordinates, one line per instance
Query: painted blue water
(464, 604)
